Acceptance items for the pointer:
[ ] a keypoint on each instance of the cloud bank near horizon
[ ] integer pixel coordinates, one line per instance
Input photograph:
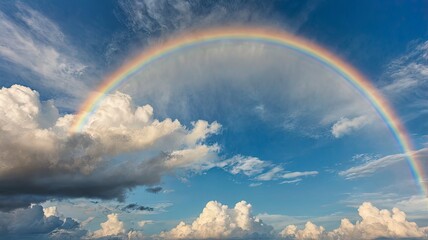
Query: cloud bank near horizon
(216, 221)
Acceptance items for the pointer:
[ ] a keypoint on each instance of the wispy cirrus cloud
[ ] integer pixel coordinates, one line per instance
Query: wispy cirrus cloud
(408, 72)
(369, 167)
(36, 44)
(278, 173)
(405, 80)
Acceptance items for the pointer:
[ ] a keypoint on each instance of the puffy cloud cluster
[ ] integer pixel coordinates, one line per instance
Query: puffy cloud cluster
(311, 231)
(218, 221)
(40, 158)
(36, 221)
(111, 227)
(375, 224)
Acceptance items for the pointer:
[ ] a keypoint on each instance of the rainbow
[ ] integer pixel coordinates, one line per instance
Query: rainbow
(267, 36)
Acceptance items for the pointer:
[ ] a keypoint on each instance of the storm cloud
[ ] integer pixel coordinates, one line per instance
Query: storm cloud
(41, 159)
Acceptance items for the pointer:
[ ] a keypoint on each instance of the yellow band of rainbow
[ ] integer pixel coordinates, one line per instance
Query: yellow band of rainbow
(268, 36)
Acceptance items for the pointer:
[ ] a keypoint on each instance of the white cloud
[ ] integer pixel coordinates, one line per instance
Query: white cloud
(377, 223)
(374, 224)
(345, 126)
(371, 166)
(292, 181)
(311, 231)
(144, 223)
(271, 174)
(299, 174)
(278, 172)
(151, 16)
(64, 160)
(50, 211)
(405, 81)
(218, 221)
(113, 226)
(38, 45)
(249, 166)
(414, 205)
(408, 72)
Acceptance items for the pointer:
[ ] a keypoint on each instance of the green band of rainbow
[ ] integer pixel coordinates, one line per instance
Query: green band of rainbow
(268, 36)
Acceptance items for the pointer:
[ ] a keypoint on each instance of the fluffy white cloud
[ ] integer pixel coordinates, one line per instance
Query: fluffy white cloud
(113, 226)
(345, 126)
(311, 231)
(377, 223)
(374, 224)
(218, 221)
(57, 163)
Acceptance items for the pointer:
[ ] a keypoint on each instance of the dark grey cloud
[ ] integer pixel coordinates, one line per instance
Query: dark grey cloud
(154, 189)
(136, 207)
(31, 223)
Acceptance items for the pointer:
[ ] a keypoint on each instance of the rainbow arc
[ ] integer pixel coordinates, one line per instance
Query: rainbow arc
(267, 36)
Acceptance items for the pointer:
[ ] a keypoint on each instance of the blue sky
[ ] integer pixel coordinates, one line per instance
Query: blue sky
(228, 121)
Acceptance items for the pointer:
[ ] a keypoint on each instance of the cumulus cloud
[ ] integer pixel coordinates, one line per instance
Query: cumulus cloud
(33, 221)
(218, 221)
(114, 228)
(59, 164)
(377, 223)
(110, 227)
(374, 224)
(345, 126)
(311, 231)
